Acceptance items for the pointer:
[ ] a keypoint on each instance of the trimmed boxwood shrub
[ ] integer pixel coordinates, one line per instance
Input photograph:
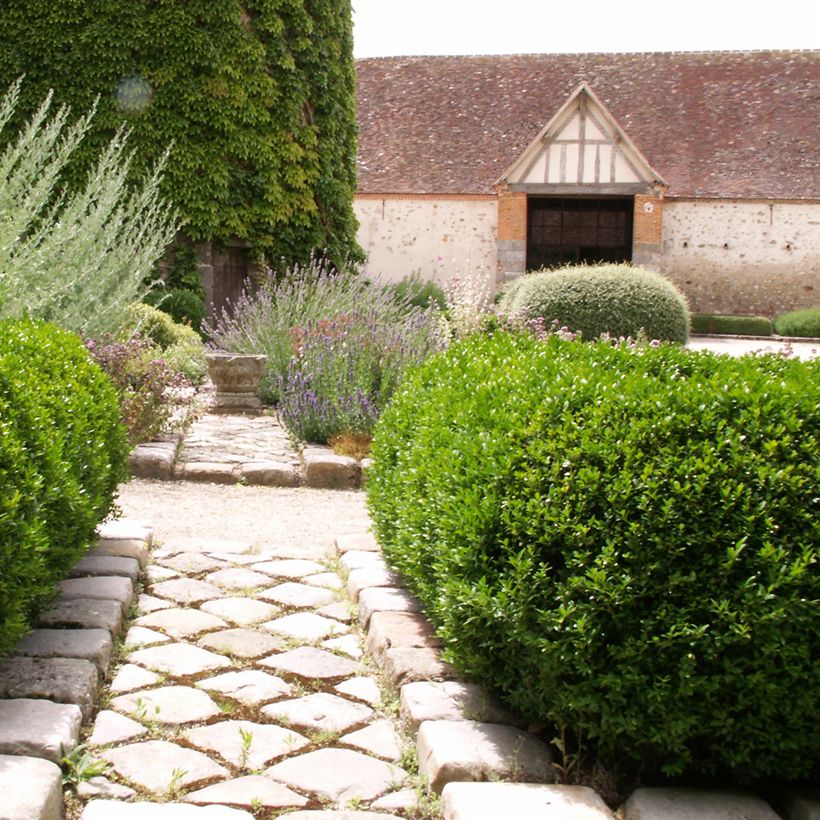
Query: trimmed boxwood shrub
(184, 306)
(62, 454)
(804, 322)
(732, 325)
(619, 541)
(618, 300)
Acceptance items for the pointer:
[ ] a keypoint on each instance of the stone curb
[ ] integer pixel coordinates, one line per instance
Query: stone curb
(315, 467)
(464, 738)
(49, 685)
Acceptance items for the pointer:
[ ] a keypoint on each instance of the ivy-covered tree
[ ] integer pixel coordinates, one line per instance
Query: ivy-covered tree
(256, 99)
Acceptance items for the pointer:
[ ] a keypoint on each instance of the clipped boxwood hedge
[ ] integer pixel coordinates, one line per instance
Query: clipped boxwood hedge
(62, 454)
(620, 541)
(731, 325)
(619, 300)
(804, 322)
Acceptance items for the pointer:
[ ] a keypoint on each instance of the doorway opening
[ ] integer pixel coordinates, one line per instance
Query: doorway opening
(573, 230)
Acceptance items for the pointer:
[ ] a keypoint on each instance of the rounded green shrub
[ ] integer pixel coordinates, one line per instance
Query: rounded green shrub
(804, 322)
(731, 325)
(180, 345)
(622, 541)
(62, 453)
(618, 300)
(184, 306)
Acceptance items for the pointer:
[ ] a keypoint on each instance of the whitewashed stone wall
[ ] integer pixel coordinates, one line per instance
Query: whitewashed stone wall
(434, 238)
(743, 257)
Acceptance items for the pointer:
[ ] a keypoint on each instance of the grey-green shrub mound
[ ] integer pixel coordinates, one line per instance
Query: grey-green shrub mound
(620, 541)
(619, 300)
(62, 453)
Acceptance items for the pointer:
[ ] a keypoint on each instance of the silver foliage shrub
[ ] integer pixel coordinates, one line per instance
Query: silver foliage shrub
(77, 259)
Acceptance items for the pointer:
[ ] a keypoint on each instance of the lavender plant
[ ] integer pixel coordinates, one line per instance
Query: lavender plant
(337, 346)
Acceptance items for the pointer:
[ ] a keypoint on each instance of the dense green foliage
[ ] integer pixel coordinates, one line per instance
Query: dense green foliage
(179, 345)
(76, 260)
(622, 541)
(62, 453)
(804, 322)
(183, 306)
(732, 325)
(255, 99)
(421, 293)
(618, 300)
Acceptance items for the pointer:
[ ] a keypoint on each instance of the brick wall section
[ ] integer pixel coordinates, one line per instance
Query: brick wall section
(512, 215)
(647, 226)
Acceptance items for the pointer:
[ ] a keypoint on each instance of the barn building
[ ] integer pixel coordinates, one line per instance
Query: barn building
(703, 166)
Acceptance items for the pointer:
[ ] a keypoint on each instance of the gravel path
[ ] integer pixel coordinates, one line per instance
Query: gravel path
(275, 520)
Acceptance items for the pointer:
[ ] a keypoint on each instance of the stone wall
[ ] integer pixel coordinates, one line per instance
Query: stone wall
(436, 237)
(743, 257)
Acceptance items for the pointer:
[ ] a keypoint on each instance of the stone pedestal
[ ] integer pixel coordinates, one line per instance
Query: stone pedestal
(236, 378)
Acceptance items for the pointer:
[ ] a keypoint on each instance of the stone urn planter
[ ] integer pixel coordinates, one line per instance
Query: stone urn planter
(236, 377)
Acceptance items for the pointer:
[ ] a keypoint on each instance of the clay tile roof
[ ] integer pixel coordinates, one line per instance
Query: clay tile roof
(713, 124)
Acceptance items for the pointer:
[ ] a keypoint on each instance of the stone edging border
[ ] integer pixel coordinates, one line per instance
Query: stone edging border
(50, 683)
(466, 743)
(319, 468)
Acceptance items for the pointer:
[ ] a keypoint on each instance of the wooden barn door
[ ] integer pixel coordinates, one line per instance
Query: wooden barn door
(231, 270)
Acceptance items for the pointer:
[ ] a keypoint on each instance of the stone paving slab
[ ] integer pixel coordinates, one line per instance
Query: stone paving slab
(451, 751)
(130, 677)
(320, 712)
(326, 471)
(246, 744)
(180, 659)
(112, 727)
(187, 591)
(114, 810)
(84, 613)
(365, 577)
(237, 578)
(105, 587)
(449, 700)
(346, 775)
(101, 787)
(361, 688)
(305, 626)
(399, 629)
(63, 680)
(695, 804)
(341, 815)
(93, 645)
(96, 564)
(490, 801)
(349, 645)
(245, 791)
(38, 728)
(309, 663)
(270, 474)
(360, 542)
(30, 789)
(242, 643)
(152, 765)
(802, 804)
(289, 567)
(297, 595)
(181, 622)
(192, 562)
(379, 739)
(403, 665)
(385, 599)
(140, 636)
(241, 611)
(168, 705)
(357, 559)
(249, 686)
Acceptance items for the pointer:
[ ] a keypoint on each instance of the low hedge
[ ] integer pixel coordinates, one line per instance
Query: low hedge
(619, 541)
(617, 300)
(62, 454)
(804, 322)
(731, 325)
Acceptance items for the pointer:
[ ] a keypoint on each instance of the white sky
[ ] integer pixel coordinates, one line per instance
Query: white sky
(392, 28)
